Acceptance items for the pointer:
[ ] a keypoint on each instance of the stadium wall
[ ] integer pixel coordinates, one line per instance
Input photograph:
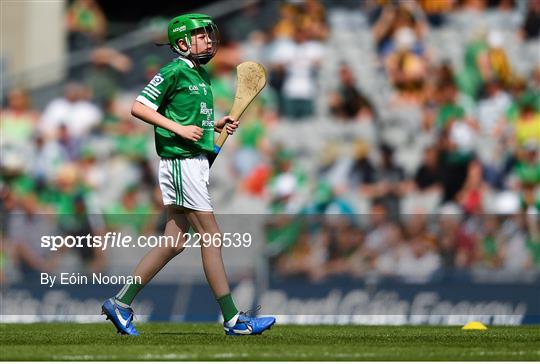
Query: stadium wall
(336, 301)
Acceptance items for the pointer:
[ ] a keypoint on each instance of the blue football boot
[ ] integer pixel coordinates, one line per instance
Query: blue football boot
(246, 325)
(120, 316)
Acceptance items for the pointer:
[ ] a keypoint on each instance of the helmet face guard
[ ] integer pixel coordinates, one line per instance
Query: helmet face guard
(184, 27)
(211, 36)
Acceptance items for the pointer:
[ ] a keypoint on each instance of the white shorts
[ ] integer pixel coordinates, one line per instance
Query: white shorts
(184, 182)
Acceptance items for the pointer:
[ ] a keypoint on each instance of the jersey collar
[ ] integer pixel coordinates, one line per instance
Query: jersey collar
(189, 63)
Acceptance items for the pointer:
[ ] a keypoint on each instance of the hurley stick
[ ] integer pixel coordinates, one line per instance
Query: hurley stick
(251, 79)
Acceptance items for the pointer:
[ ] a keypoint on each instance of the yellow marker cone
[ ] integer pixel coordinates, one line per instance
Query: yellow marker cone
(474, 325)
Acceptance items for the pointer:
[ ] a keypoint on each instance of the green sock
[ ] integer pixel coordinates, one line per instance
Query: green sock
(228, 309)
(128, 292)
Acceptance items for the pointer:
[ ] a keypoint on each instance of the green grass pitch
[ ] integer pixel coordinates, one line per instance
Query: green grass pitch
(176, 341)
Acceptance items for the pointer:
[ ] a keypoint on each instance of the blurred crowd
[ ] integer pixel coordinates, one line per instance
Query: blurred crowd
(397, 163)
(416, 248)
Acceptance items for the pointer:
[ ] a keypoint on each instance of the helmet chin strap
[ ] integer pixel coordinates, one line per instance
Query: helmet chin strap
(197, 59)
(204, 58)
(193, 58)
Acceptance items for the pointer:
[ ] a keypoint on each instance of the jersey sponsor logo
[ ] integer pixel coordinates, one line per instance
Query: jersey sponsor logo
(208, 123)
(209, 113)
(206, 111)
(156, 80)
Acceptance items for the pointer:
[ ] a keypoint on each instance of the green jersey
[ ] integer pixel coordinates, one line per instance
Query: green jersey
(181, 93)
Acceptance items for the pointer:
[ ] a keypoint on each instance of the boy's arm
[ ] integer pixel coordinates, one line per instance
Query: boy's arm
(145, 113)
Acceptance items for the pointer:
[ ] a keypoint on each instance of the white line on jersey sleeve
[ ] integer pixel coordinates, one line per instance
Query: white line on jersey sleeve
(149, 90)
(151, 96)
(143, 100)
(153, 89)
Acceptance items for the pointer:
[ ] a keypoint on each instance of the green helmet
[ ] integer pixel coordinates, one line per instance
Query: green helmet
(182, 27)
